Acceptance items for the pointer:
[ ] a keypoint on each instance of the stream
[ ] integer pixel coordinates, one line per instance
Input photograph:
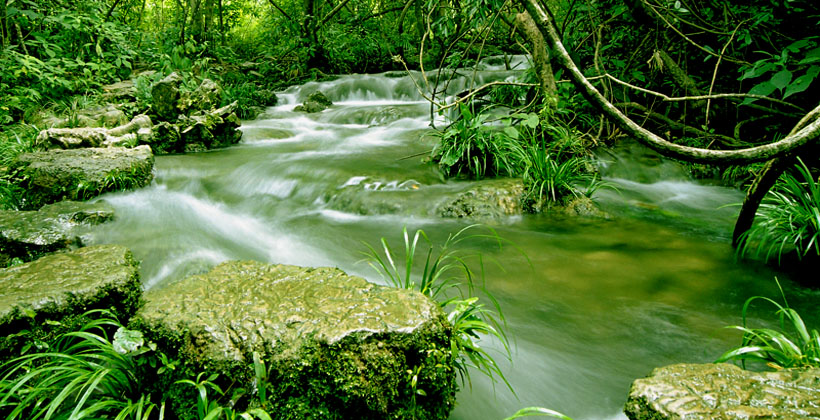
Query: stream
(592, 306)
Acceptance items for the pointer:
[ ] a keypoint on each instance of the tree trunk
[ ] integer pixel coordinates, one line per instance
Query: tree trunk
(3, 32)
(221, 23)
(540, 52)
(762, 153)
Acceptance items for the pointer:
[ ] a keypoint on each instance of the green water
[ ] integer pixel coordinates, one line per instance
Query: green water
(598, 304)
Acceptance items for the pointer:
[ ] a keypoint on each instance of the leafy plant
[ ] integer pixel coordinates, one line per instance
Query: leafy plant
(446, 268)
(788, 220)
(211, 409)
(792, 346)
(468, 148)
(84, 376)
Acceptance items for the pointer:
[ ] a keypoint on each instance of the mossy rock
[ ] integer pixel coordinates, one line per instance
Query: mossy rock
(485, 200)
(724, 391)
(337, 346)
(80, 174)
(47, 297)
(26, 235)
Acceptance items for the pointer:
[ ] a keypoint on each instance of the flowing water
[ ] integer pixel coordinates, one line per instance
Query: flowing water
(600, 302)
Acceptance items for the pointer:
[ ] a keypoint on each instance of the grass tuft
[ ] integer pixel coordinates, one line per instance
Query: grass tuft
(792, 346)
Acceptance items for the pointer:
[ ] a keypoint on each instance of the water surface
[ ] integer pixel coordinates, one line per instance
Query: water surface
(593, 305)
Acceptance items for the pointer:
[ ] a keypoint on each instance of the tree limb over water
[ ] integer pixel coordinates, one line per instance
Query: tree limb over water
(761, 153)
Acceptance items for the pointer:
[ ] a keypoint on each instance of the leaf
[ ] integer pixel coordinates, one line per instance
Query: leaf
(764, 89)
(802, 83)
(812, 56)
(511, 132)
(98, 49)
(781, 79)
(127, 341)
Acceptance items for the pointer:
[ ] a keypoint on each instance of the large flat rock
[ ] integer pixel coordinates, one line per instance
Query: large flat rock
(724, 391)
(48, 296)
(338, 346)
(79, 174)
(26, 235)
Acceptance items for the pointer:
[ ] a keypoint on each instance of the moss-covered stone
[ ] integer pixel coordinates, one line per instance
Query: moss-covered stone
(724, 391)
(337, 346)
(488, 199)
(47, 297)
(80, 174)
(26, 235)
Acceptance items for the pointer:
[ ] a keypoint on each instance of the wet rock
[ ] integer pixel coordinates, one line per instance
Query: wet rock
(724, 391)
(254, 133)
(210, 129)
(80, 174)
(336, 346)
(46, 297)
(26, 235)
(166, 139)
(265, 97)
(165, 95)
(127, 135)
(487, 199)
(206, 96)
(315, 102)
(583, 206)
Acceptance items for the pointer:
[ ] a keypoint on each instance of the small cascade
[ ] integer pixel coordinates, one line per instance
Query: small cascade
(590, 304)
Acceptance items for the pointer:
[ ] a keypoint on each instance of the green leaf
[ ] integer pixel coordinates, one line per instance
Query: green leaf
(127, 341)
(98, 49)
(812, 56)
(781, 79)
(511, 132)
(764, 89)
(802, 83)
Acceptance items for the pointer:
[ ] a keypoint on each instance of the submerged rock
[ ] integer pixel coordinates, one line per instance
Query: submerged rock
(26, 235)
(488, 199)
(337, 346)
(80, 174)
(724, 391)
(315, 102)
(46, 297)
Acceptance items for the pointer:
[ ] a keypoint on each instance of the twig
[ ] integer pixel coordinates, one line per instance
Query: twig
(667, 98)
(714, 73)
(689, 40)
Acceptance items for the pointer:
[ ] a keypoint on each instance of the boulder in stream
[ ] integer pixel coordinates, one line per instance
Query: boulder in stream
(80, 174)
(336, 346)
(26, 235)
(46, 297)
(207, 130)
(315, 102)
(206, 96)
(724, 391)
(486, 199)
